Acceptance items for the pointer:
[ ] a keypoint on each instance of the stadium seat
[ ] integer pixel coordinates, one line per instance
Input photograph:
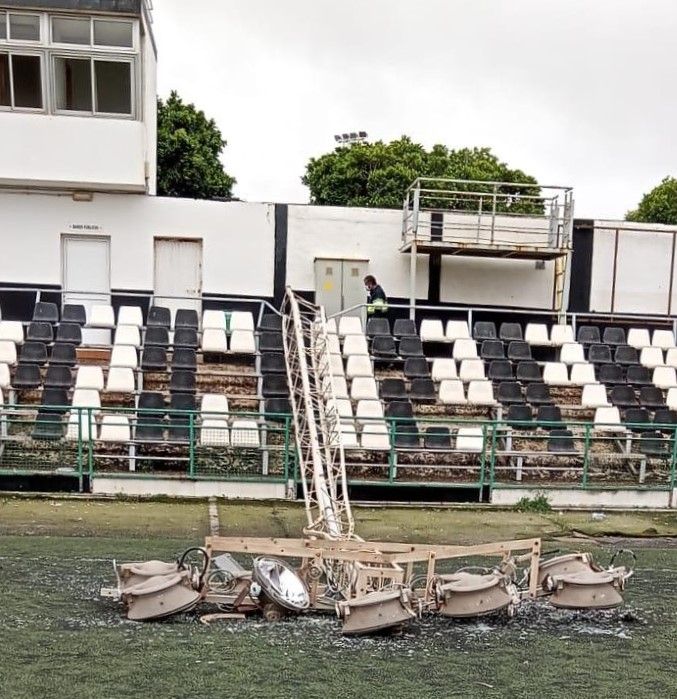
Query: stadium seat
(40, 332)
(639, 376)
(639, 338)
(120, 380)
(156, 337)
(244, 433)
(484, 330)
(63, 353)
(392, 389)
(561, 335)
(626, 355)
(159, 317)
(344, 408)
(599, 354)
(214, 320)
(74, 313)
(127, 335)
(536, 334)
(241, 320)
(27, 376)
(4, 376)
(274, 386)
(336, 364)
(481, 393)
(186, 318)
(436, 437)
(11, 331)
(608, 420)
(270, 342)
(214, 432)
(182, 381)
(528, 372)
(184, 358)
(368, 410)
(215, 403)
(451, 392)
(271, 321)
(58, 377)
(7, 352)
(242, 342)
(115, 428)
(571, 353)
(663, 339)
(378, 327)
(457, 330)
(651, 397)
(561, 442)
(520, 416)
(671, 357)
(48, 425)
(500, 370)
(277, 408)
(471, 370)
(519, 351)
(358, 365)
(510, 331)
(400, 410)
(339, 387)
(182, 402)
(469, 439)
(130, 315)
(69, 332)
(613, 336)
(87, 398)
(383, 347)
(623, 397)
(443, 368)
(404, 327)
(664, 377)
(538, 394)
(556, 374)
(355, 344)
(637, 419)
(151, 400)
(349, 436)
(588, 335)
(410, 347)
(464, 349)
(667, 419)
(101, 316)
(422, 391)
(214, 341)
(81, 425)
(594, 396)
(333, 345)
(406, 436)
(154, 359)
(180, 407)
(549, 417)
(375, 435)
(610, 374)
(46, 312)
(671, 399)
(363, 388)
(350, 325)
(273, 363)
(32, 353)
(432, 330)
(150, 426)
(509, 392)
(492, 349)
(124, 355)
(582, 374)
(54, 399)
(654, 444)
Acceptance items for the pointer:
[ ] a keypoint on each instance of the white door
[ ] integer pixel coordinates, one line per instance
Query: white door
(85, 270)
(339, 284)
(354, 293)
(178, 274)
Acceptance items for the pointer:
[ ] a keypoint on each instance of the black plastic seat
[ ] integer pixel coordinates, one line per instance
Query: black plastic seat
(151, 400)
(64, 354)
(182, 401)
(518, 351)
(270, 342)
(538, 394)
(599, 354)
(610, 374)
(655, 444)
(274, 386)
(651, 397)
(157, 337)
(402, 409)
(639, 419)
(159, 317)
(186, 318)
(184, 358)
(58, 377)
(69, 332)
(383, 346)
(492, 349)
(406, 435)
(528, 371)
(154, 359)
(277, 408)
(549, 417)
(639, 376)
(500, 370)
(46, 312)
(404, 327)
(392, 389)
(185, 337)
(422, 391)
(510, 331)
(588, 335)
(271, 321)
(378, 327)
(626, 355)
(48, 425)
(416, 368)
(74, 313)
(614, 336)
(27, 376)
(39, 332)
(509, 392)
(666, 418)
(484, 330)
(33, 353)
(149, 427)
(520, 416)
(561, 441)
(436, 437)
(623, 397)
(182, 381)
(55, 399)
(273, 363)
(411, 347)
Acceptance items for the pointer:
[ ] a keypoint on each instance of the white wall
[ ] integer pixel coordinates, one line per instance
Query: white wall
(149, 106)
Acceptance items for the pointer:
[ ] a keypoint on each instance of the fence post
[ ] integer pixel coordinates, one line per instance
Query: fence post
(586, 457)
(90, 446)
(673, 456)
(80, 474)
(392, 456)
(286, 448)
(492, 463)
(191, 445)
(483, 458)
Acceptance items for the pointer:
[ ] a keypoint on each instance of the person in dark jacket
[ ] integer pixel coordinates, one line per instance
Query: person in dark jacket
(377, 301)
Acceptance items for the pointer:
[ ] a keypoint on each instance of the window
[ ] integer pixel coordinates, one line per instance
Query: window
(3, 26)
(85, 31)
(20, 81)
(73, 84)
(24, 27)
(113, 87)
(111, 33)
(71, 30)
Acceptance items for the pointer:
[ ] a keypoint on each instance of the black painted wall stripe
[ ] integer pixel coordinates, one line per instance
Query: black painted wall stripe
(280, 269)
(435, 259)
(581, 265)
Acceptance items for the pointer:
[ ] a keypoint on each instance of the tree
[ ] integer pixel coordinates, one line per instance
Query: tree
(188, 149)
(657, 206)
(378, 174)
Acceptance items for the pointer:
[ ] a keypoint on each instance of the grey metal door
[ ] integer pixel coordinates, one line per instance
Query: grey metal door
(339, 284)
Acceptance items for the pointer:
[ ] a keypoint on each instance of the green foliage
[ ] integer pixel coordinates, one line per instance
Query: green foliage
(378, 174)
(657, 206)
(539, 504)
(188, 150)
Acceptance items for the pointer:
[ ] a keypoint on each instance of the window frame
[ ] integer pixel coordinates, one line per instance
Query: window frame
(91, 46)
(13, 51)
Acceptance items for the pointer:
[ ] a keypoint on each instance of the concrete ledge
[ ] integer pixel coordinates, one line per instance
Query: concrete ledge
(184, 488)
(575, 497)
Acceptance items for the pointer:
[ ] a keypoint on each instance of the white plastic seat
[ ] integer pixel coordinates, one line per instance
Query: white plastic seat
(12, 330)
(358, 365)
(241, 320)
(344, 408)
(638, 338)
(339, 386)
(101, 316)
(583, 374)
(481, 393)
(214, 340)
(7, 352)
(368, 410)
(349, 435)
(457, 330)
(471, 370)
(561, 334)
(443, 368)
(464, 348)
(572, 353)
(124, 355)
(556, 374)
(127, 335)
(375, 436)
(214, 403)
(130, 315)
(4, 376)
(671, 400)
(333, 344)
(336, 364)
(87, 398)
(432, 330)
(350, 325)
(608, 420)
(115, 428)
(86, 428)
(89, 377)
(536, 334)
(451, 392)
(664, 377)
(651, 357)
(671, 357)
(331, 326)
(355, 345)
(242, 342)
(245, 433)
(214, 432)
(594, 396)
(363, 388)
(469, 439)
(2, 398)
(663, 339)
(120, 380)
(214, 320)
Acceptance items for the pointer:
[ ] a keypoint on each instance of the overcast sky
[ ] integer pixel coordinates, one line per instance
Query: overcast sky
(575, 92)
